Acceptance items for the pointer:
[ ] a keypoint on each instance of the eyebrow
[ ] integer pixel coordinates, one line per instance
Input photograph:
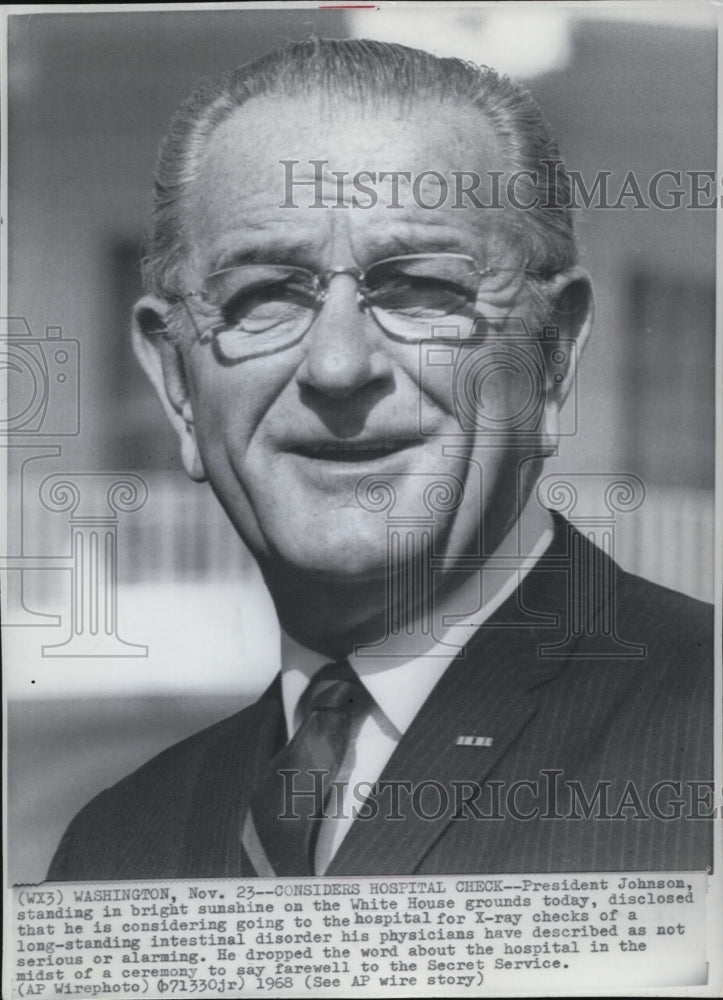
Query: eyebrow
(275, 251)
(435, 244)
(422, 239)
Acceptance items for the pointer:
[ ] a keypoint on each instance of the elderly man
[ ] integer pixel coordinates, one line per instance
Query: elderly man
(360, 261)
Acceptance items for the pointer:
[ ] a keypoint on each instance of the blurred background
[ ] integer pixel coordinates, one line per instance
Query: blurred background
(625, 88)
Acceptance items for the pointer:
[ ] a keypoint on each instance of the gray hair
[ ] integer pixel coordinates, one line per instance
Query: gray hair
(364, 71)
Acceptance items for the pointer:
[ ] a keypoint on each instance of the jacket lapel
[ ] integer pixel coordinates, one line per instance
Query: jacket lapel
(492, 689)
(487, 693)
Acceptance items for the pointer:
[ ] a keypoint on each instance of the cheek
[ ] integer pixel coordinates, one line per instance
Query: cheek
(436, 374)
(230, 403)
(495, 387)
(227, 410)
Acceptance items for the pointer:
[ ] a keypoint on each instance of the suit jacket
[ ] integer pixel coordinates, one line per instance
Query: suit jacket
(595, 689)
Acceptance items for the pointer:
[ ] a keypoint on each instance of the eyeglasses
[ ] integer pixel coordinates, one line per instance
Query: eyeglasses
(257, 309)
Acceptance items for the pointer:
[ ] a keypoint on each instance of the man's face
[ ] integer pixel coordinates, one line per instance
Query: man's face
(286, 437)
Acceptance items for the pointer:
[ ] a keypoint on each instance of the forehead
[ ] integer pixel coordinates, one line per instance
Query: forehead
(273, 154)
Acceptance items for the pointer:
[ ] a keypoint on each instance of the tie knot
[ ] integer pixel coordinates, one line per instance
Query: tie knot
(336, 686)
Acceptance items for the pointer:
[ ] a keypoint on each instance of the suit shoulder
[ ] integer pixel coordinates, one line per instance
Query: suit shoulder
(662, 609)
(145, 812)
(181, 759)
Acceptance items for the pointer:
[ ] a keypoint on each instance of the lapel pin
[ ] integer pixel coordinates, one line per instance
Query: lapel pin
(474, 741)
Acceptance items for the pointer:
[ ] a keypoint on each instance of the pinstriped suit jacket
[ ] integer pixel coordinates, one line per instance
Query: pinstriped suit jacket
(595, 688)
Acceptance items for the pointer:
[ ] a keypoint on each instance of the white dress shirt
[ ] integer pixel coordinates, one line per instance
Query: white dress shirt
(399, 685)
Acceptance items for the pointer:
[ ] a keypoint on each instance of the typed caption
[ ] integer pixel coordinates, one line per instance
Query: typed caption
(358, 937)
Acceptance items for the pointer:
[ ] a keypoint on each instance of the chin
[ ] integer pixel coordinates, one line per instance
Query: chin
(347, 565)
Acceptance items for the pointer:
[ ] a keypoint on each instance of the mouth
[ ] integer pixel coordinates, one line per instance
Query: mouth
(352, 451)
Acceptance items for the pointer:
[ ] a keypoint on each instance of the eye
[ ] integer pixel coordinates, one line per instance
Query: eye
(266, 306)
(421, 296)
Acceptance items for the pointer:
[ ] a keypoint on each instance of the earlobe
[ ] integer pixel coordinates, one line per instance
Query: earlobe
(162, 362)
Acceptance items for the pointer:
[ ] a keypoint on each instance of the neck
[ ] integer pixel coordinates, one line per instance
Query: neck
(330, 616)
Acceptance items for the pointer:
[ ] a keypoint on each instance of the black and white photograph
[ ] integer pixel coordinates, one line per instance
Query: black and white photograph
(361, 591)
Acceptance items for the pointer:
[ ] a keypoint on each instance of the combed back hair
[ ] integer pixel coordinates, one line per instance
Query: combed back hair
(369, 74)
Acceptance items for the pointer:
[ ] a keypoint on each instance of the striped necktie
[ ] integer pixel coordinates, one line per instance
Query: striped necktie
(289, 805)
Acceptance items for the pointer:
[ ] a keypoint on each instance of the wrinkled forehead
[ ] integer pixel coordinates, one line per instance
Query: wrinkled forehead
(273, 160)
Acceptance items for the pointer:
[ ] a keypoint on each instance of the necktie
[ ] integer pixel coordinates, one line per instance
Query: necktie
(290, 802)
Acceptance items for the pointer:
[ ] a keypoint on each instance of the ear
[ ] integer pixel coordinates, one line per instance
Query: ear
(569, 318)
(162, 361)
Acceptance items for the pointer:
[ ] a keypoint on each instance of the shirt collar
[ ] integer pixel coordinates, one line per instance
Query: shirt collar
(457, 617)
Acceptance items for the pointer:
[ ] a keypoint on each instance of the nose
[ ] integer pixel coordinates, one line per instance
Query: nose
(343, 353)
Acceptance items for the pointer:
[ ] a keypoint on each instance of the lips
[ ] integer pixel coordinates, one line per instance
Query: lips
(352, 451)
